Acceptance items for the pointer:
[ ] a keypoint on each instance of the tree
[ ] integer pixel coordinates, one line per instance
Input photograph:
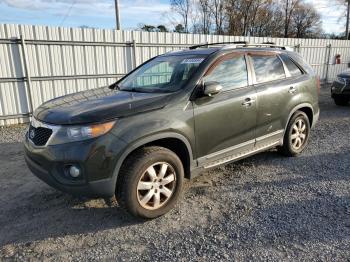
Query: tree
(162, 28)
(288, 7)
(273, 18)
(243, 15)
(306, 21)
(205, 15)
(183, 8)
(268, 21)
(152, 28)
(179, 28)
(346, 15)
(218, 10)
(148, 28)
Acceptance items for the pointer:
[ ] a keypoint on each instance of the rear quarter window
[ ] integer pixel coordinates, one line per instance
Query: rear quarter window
(300, 61)
(293, 69)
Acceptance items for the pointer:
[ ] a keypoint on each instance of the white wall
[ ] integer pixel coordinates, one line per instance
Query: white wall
(72, 59)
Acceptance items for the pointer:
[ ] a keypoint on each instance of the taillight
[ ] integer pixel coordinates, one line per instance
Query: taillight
(318, 84)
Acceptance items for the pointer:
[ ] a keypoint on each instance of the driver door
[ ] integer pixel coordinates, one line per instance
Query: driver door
(225, 123)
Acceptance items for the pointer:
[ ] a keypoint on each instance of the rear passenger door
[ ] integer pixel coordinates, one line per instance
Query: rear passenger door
(276, 90)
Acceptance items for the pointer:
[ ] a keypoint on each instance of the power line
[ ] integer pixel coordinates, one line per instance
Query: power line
(68, 12)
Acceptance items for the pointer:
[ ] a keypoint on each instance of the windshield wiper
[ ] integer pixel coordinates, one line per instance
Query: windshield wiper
(114, 86)
(132, 90)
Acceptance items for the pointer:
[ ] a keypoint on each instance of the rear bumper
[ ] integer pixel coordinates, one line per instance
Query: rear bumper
(96, 158)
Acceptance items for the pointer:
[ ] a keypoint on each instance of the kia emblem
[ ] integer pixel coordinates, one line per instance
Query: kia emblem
(32, 134)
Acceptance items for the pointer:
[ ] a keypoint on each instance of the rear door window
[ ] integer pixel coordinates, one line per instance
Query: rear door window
(268, 68)
(293, 69)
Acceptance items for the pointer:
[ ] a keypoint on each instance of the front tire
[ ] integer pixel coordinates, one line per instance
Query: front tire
(150, 182)
(341, 101)
(297, 134)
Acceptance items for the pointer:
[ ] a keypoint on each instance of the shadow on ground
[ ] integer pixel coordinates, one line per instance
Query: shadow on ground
(33, 211)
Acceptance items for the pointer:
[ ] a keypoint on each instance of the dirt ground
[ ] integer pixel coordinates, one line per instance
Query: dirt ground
(266, 207)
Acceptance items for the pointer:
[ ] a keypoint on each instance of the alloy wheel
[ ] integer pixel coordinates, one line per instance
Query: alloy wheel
(299, 134)
(156, 185)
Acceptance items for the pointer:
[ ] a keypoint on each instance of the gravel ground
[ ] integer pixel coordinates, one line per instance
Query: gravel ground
(266, 207)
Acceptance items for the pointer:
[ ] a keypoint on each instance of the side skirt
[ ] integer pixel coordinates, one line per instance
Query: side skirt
(238, 152)
(241, 155)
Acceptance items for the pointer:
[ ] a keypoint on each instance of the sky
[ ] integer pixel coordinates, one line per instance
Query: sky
(100, 13)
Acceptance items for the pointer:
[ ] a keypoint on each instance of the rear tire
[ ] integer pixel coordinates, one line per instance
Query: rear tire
(297, 134)
(341, 101)
(150, 182)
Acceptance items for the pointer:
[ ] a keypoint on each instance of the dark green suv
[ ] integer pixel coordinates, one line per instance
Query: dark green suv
(171, 118)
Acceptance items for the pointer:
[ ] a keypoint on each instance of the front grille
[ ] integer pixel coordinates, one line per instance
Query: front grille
(39, 136)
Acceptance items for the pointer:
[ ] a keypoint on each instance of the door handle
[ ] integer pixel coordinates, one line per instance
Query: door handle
(292, 90)
(248, 101)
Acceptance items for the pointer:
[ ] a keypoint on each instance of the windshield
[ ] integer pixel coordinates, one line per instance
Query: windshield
(162, 74)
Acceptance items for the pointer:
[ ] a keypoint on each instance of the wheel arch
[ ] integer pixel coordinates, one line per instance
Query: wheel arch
(175, 142)
(306, 108)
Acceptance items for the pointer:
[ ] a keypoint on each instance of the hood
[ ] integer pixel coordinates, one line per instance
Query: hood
(98, 105)
(345, 74)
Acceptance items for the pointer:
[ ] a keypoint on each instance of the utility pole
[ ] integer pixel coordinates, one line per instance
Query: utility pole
(347, 21)
(117, 15)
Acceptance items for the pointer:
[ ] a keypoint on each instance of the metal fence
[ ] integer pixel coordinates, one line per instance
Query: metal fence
(38, 63)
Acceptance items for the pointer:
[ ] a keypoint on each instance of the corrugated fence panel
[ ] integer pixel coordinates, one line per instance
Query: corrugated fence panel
(66, 60)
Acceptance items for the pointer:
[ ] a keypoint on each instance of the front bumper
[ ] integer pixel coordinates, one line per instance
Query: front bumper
(96, 158)
(340, 90)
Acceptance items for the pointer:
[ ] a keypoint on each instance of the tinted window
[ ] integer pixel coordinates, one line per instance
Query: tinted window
(230, 73)
(293, 69)
(268, 68)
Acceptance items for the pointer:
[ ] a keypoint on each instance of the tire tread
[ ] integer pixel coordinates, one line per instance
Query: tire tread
(128, 171)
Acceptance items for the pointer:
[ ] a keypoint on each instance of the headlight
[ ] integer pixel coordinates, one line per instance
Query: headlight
(67, 134)
(86, 132)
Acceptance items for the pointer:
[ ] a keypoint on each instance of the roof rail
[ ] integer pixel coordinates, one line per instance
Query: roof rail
(264, 45)
(219, 43)
(228, 45)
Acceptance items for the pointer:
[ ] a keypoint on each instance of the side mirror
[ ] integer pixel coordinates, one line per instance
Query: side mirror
(211, 88)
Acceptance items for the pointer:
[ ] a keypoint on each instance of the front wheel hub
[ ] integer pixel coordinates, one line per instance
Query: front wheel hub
(156, 185)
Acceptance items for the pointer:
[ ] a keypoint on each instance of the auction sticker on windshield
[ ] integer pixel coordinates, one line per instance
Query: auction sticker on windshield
(192, 61)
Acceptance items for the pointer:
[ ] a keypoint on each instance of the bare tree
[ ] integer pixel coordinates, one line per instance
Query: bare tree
(205, 15)
(306, 21)
(218, 11)
(268, 21)
(183, 8)
(282, 18)
(345, 15)
(288, 7)
(238, 16)
(257, 13)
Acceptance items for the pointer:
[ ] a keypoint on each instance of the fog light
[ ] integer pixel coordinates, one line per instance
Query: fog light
(74, 171)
